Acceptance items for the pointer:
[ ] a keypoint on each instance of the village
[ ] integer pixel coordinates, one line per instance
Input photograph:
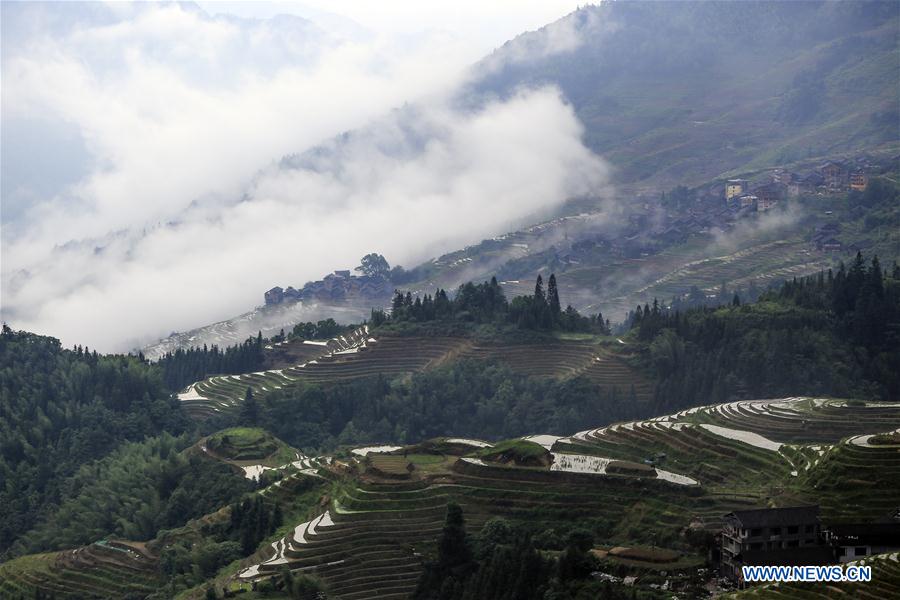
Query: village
(650, 224)
(720, 205)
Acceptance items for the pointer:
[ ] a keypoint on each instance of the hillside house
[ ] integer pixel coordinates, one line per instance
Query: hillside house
(783, 177)
(274, 296)
(747, 201)
(735, 187)
(767, 195)
(765, 203)
(807, 184)
(834, 175)
(772, 536)
(859, 181)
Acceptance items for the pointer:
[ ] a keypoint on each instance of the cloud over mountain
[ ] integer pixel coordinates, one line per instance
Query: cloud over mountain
(183, 214)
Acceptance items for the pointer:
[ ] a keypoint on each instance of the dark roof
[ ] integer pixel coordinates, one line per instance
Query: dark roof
(765, 517)
(804, 555)
(813, 178)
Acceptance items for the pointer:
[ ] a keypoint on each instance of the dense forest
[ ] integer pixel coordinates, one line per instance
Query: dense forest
(183, 367)
(502, 562)
(139, 489)
(465, 398)
(834, 333)
(60, 409)
(486, 303)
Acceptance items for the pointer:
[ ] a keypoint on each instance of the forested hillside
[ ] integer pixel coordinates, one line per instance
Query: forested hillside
(184, 366)
(139, 489)
(835, 333)
(473, 398)
(62, 408)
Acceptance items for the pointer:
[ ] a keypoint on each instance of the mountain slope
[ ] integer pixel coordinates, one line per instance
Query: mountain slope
(681, 92)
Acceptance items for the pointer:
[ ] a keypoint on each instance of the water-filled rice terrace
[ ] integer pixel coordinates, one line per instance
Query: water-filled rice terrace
(634, 484)
(359, 355)
(676, 472)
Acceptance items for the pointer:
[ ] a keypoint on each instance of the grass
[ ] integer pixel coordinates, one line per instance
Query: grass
(519, 452)
(885, 439)
(390, 465)
(425, 459)
(241, 444)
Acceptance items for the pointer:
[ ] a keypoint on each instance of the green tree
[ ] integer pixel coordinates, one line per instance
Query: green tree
(553, 298)
(250, 408)
(373, 265)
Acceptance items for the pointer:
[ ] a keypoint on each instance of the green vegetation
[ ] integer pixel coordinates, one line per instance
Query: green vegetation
(390, 466)
(819, 80)
(466, 398)
(856, 483)
(518, 452)
(485, 303)
(502, 562)
(828, 334)
(182, 367)
(243, 443)
(139, 489)
(60, 409)
(322, 330)
(885, 439)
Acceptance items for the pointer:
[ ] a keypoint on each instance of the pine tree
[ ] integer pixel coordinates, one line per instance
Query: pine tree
(453, 546)
(553, 296)
(397, 304)
(250, 409)
(539, 297)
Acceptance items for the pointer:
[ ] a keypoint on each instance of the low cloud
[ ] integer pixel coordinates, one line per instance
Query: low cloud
(185, 218)
(559, 37)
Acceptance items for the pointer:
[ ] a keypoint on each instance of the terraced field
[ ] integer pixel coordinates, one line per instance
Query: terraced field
(100, 570)
(627, 282)
(363, 356)
(772, 261)
(370, 541)
(705, 462)
(854, 481)
(633, 483)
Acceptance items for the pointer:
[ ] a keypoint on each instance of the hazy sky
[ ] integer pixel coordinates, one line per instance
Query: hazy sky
(141, 186)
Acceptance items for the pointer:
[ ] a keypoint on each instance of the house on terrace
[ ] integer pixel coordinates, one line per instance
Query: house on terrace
(772, 536)
(735, 187)
(835, 175)
(859, 181)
